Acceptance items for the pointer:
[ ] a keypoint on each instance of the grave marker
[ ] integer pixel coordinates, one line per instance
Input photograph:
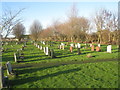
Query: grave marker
(1, 77)
(15, 57)
(92, 48)
(46, 51)
(97, 48)
(98, 45)
(72, 45)
(71, 49)
(78, 45)
(90, 45)
(9, 68)
(109, 48)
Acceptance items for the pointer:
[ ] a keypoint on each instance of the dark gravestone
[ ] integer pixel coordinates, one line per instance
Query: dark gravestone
(49, 52)
(78, 49)
(52, 53)
(9, 68)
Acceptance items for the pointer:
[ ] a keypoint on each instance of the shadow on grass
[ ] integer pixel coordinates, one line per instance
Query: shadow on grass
(36, 78)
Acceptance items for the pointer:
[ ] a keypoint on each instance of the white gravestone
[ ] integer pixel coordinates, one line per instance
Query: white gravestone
(109, 48)
(46, 50)
(90, 45)
(44, 43)
(78, 45)
(9, 68)
(62, 43)
(72, 45)
(98, 45)
(38, 46)
(15, 57)
(60, 46)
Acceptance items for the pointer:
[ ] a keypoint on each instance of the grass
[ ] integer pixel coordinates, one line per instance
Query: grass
(45, 72)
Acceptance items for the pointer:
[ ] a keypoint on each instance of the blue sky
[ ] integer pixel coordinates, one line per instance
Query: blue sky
(46, 12)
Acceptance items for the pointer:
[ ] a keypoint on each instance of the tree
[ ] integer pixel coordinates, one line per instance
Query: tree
(19, 31)
(105, 20)
(8, 20)
(35, 30)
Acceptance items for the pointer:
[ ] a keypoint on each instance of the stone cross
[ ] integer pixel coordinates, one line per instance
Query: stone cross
(109, 48)
(9, 68)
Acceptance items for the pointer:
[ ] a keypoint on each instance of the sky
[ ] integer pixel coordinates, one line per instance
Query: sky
(47, 12)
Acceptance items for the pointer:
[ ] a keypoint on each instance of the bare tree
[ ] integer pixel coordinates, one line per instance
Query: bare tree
(19, 31)
(8, 20)
(35, 30)
(105, 20)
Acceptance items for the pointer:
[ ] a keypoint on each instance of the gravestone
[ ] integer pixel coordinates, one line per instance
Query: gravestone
(78, 45)
(9, 68)
(44, 43)
(38, 46)
(52, 53)
(98, 45)
(62, 43)
(49, 52)
(92, 48)
(15, 57)
(63, 47)
(90, 45)
(1, 77)
(71, 49)
(78, 50)
(60, 46)
(46, 51)
(97, 48)
(72, 45)
(109, 48)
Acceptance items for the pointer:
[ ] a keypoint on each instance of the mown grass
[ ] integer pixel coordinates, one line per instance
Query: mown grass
(88, 75)
(91, 75)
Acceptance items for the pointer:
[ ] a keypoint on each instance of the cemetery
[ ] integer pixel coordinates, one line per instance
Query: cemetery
(49, 66)
(59, 45)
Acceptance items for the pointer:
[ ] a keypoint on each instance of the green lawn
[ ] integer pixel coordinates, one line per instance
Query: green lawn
(45, 74)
